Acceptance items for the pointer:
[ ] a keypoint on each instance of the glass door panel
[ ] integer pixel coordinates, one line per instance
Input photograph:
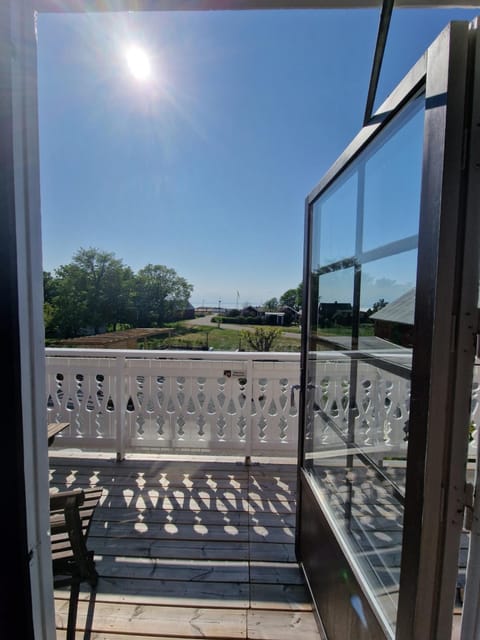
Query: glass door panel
(393, 175)
(360, 349)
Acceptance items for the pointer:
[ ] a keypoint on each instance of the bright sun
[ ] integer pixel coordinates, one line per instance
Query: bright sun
(139, 63)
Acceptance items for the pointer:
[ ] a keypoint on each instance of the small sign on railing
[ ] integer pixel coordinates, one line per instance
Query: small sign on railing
(231, 373)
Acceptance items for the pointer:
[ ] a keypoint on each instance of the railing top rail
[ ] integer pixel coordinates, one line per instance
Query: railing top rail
(399, 356)
(173, 354)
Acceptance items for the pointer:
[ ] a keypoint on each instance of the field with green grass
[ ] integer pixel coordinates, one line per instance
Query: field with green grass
(217, 338)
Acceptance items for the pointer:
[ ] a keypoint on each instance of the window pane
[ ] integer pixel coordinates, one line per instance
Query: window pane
(335, 223)
(392, 183)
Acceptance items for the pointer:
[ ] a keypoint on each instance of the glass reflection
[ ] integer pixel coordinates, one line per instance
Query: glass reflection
(332, 310)
(357, 453)
(387, 299)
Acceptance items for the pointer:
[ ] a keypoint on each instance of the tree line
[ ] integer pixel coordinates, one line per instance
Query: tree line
(96, 292)
(292, 298)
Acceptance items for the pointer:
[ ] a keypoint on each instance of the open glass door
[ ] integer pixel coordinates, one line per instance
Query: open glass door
(384, 421)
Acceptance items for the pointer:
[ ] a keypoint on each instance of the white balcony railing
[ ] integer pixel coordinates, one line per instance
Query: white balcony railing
(168, 401)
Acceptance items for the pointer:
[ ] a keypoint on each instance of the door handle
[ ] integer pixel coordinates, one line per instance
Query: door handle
(294, 387)
(292, 393)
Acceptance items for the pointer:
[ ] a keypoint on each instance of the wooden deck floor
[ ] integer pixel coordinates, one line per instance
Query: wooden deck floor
(189, 549)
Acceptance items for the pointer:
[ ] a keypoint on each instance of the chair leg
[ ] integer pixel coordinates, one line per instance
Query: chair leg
(91, 572)
(72, 610)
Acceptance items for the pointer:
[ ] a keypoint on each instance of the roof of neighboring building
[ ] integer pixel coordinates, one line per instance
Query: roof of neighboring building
(400, 311)
(336, 305)
(365, 343)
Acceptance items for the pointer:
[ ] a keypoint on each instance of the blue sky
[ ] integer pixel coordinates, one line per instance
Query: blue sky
(205, 166)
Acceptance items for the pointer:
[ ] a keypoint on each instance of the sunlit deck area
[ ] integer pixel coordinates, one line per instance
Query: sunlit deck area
(188, 547)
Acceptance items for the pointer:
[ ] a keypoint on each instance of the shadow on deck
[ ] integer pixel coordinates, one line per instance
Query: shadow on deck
(189, 549)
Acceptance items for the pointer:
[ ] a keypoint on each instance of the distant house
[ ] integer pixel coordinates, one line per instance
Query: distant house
(188, 312)
(274, 317)
(282, 316)
(251, 312)
(330, 313)
(395, 321)
(208, 310)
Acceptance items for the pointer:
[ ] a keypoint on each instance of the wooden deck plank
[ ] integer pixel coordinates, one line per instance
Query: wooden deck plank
(276, 573)
(87, 471)
(193, 530)
(280, 597)
(150, 468)
(161, 515)
(281, 625)
(61, 635)
(196, 490)
(272, 552)
(233, 482)
(168, 592)
(153, 548)
(179, 499)
(187, 570)
(191, 622)
(169, 531)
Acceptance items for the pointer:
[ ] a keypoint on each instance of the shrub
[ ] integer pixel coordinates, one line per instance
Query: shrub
(262, 338)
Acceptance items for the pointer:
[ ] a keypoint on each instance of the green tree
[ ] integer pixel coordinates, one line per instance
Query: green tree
(93, 291)
(299, 301)
(50, 312)
(379, 304)
(292, 298)
(49, 319)
(271, 305)
(160, 295)
(49, 287)
(262, 338)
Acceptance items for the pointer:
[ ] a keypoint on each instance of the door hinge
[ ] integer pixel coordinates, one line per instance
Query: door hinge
(468, 506)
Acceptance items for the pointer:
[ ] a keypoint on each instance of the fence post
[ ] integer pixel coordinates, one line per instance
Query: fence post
(249, 390)
(120, 406)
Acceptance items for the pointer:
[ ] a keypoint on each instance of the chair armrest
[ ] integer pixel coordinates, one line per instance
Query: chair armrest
(71, 514)
(72, 498)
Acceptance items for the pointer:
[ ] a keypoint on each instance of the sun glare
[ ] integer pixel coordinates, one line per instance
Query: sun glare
(139, 63)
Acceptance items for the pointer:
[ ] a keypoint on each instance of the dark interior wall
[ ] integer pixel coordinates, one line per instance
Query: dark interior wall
(15, 598)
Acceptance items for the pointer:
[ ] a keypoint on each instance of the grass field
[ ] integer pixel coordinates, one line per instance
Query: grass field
(218, 339)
